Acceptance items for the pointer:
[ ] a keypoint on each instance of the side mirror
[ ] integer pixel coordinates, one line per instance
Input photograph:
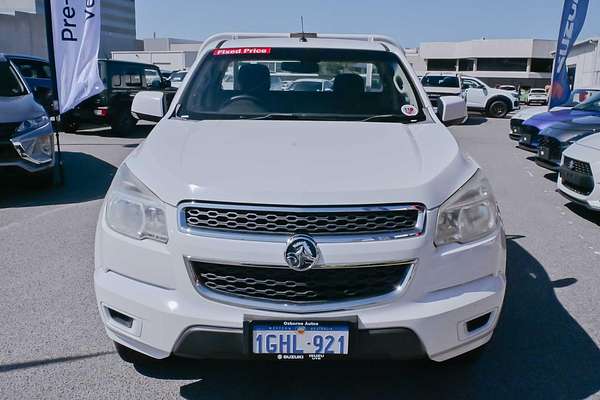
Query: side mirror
(156, 84)
(166, 84)
(148, 106)
(41, 93)
(451, 110)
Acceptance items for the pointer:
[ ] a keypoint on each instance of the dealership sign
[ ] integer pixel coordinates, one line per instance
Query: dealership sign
(75, 44)
(573, 17)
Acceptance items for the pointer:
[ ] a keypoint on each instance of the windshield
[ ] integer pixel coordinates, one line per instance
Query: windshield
(579, 96)
(441, 81)
(10, 84)
(537, 91)
(592, 104)
(309, 84)
(178, 76)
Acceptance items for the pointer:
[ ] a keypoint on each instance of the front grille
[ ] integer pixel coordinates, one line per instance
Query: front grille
(303, 220)
(285, 285)
(553, 147)
(577, 176)
(7, 130)
(578, 166)
(8, 152)
(529, 130)
(515, 125)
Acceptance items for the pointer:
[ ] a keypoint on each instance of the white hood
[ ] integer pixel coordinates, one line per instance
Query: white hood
(592, 141)
(301, 162)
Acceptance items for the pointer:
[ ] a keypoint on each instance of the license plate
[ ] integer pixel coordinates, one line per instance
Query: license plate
(297, 339)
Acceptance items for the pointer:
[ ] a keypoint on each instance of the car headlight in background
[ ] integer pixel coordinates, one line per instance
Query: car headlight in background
(133, 210)
(469, 214)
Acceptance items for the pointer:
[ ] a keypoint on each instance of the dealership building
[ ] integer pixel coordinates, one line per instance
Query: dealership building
(22, 27)
(168, 54)
(525, 62)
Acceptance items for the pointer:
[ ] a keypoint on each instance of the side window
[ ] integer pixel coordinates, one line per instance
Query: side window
(42, 69)
(25, 68)
(33, 69)
(132, 77)
(469, 84)
(151, 75)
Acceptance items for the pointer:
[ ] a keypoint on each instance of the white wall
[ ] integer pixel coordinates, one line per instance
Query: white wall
(586, 57)
(166, 60)
(23, 33)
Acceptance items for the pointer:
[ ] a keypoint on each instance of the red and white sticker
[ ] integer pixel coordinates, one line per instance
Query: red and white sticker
(409, 110)
(242, 51)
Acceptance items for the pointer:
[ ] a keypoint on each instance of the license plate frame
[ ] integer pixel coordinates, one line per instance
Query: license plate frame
(249, 326)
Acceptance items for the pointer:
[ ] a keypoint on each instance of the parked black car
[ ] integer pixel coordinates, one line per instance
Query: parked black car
(122, 80)
(557, 137)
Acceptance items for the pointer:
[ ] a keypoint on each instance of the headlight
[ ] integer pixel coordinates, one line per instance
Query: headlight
(133, 210)
(469, 214)
(36, 149)
(32, 124)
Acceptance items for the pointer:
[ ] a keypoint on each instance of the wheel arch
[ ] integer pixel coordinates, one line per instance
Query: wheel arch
(504, 98)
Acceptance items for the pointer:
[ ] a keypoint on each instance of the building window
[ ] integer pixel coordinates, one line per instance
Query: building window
(502, 64)
(466, 64)
(541, 65)
(441, 65)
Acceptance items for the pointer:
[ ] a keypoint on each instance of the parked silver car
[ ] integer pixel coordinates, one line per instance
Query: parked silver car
(26, 134)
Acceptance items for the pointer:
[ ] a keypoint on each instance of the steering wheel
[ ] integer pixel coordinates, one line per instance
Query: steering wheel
(243, 97)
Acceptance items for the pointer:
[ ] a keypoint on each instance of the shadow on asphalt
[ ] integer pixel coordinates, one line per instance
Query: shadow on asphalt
(141, 131)
(552, 176)
(592, 216)
(538, 351)
(86, 178)
(475, 120)
(58, 360)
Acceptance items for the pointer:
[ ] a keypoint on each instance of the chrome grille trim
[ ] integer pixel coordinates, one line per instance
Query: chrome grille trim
(233, 234)
(301, 307)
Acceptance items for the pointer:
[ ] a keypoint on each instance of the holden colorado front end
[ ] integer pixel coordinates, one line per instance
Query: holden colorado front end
(259, 222)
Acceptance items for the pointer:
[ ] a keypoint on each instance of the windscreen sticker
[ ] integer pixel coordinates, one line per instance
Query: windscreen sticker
(242, 51)
(409, 110)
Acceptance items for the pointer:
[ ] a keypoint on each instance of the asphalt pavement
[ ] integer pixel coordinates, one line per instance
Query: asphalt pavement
(53, 345)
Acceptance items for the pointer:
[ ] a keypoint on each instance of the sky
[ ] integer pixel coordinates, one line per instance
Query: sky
(409, 22)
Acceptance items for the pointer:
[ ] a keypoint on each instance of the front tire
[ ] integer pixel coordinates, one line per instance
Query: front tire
(69, 125)
(497, 109)
(123, 124)
(131, 356)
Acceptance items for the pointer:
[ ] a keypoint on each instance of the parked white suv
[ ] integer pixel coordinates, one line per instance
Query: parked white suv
(495, 103)
(579, 179)
(479, 96)
(255, 222)
(537, 96)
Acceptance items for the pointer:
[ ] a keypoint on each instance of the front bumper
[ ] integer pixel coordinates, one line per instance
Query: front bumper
(148, 282)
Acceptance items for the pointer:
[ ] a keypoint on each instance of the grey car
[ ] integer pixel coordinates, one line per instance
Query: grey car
(26, 134)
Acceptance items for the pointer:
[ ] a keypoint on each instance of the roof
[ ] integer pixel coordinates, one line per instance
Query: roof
(309, 44)
(25, 56)
(313, 40)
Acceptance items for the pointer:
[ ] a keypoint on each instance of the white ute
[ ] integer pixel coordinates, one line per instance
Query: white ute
(260, 223)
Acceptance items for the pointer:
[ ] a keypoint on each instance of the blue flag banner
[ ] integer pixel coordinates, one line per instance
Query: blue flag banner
(573, 17)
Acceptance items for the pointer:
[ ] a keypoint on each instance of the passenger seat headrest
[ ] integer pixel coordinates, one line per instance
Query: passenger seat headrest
(254, 78)
(348, 85)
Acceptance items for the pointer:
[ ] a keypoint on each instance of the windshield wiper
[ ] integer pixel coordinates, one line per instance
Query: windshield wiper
(388, 117)
(276, 116)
